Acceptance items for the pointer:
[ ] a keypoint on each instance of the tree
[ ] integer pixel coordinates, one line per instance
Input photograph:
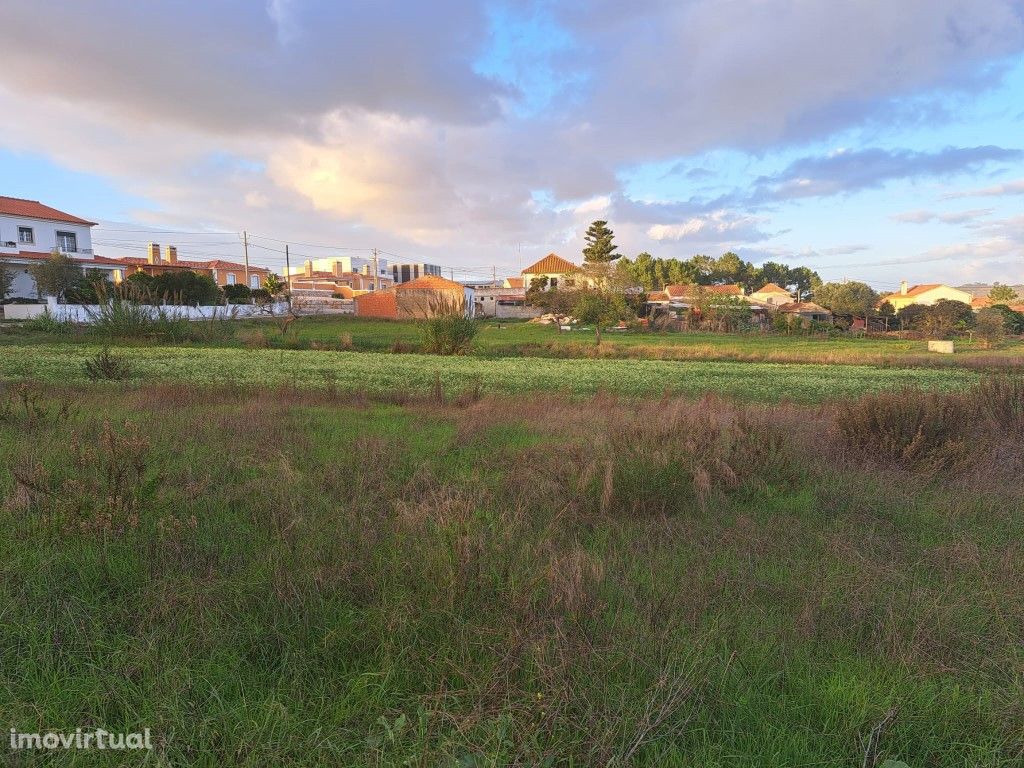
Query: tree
(946, 316)
(56, 274)
(805, 280)
(990, 327)
(772, 272)
(6, 282)
(1002, 294)
(850, 298)
(600, 309)
(599, 248)
(1014, 321)
(89, 287)
(274, 285)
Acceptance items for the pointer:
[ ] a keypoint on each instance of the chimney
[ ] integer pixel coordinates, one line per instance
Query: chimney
(903, 288)
(309, 268)
(172, 254)
(153, 253)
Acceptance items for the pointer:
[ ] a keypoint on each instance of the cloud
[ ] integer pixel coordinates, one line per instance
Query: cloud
(847, 171)
(423, 127)
(955, 217)
(997, 190)
(719, 226)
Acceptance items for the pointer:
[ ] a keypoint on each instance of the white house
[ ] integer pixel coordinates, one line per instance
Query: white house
(29, 233)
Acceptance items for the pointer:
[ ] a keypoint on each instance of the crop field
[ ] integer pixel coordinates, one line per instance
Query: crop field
(305, 577)
(383, 372)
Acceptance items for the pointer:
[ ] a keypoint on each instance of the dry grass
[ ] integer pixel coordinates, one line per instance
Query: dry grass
(434, 579)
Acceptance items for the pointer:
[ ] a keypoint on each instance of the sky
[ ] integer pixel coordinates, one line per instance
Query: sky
(866, 139)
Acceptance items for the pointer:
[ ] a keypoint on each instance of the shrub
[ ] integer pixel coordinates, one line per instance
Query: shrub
(908, 428)
(121, 317)
(253, 339)
(106, 367)
(260, 296)
(237, 294)
(990, 327)
(47, 323)
(449, 334)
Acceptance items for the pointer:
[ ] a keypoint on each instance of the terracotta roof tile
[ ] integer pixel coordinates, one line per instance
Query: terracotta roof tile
(430, 281)
(552, 264)
(772, 288)
(33, 209)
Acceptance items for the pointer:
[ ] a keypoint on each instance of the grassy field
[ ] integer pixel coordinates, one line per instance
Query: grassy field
(307, 578)
(519, 339)
(378, 372)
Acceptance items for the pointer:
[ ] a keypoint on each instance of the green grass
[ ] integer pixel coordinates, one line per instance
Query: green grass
(517, 339)
(437, 585)
(381, 372)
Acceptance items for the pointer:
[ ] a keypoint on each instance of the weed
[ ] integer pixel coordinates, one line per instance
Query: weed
(107, 367)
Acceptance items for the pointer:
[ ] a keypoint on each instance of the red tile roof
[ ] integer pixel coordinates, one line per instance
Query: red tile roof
(772, 288)
(800, 307)
(429, 281)
(689, 290)
(552, 264)
(33, 209)
(514, 282)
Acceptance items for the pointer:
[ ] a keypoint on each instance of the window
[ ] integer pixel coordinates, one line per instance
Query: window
(67, 242)
(25, 235)
(254, 281)
(553, 282)
(231, 278)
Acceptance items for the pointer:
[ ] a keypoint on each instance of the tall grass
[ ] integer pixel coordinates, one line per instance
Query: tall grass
(306, 578)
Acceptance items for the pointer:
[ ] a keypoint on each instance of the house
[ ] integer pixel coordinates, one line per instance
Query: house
(685, 295)
(926, 294)
(403, 273)
(158, 262)
(558, 273)
(515, 282)
(431, 295)
(30, 231)
(418, 299)
(806, 310)
(374, 267)
(503, 303)
(771, 295)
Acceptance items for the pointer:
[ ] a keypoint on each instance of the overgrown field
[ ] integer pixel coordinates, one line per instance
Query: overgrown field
(383, 372)
(287, 577)
(519, 339)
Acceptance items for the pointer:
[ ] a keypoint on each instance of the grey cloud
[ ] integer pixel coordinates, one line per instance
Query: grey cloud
(240, 66)
(850, 171)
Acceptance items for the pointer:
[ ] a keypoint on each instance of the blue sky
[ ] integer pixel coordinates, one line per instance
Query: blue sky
(864, 139)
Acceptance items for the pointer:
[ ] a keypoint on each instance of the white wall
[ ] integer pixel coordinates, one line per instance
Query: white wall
(45, 235)
(79, 313)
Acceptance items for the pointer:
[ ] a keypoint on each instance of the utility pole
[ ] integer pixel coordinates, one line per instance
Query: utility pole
(288, 275)
(376, 272)
(451, 273)
(245, 248)
(494, 277)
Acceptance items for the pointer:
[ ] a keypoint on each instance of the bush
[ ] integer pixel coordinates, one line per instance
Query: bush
(120, 317)
(260, 296)
(237, 294)
(990, 327)
(450, 334)
(47, 323)
(106, 367)
(908, 428)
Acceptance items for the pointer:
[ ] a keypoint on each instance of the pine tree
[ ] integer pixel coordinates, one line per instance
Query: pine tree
(600, 249)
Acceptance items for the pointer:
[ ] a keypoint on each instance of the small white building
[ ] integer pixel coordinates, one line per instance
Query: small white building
(31, 231)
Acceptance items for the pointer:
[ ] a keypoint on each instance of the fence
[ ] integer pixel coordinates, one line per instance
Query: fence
(87, 313)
